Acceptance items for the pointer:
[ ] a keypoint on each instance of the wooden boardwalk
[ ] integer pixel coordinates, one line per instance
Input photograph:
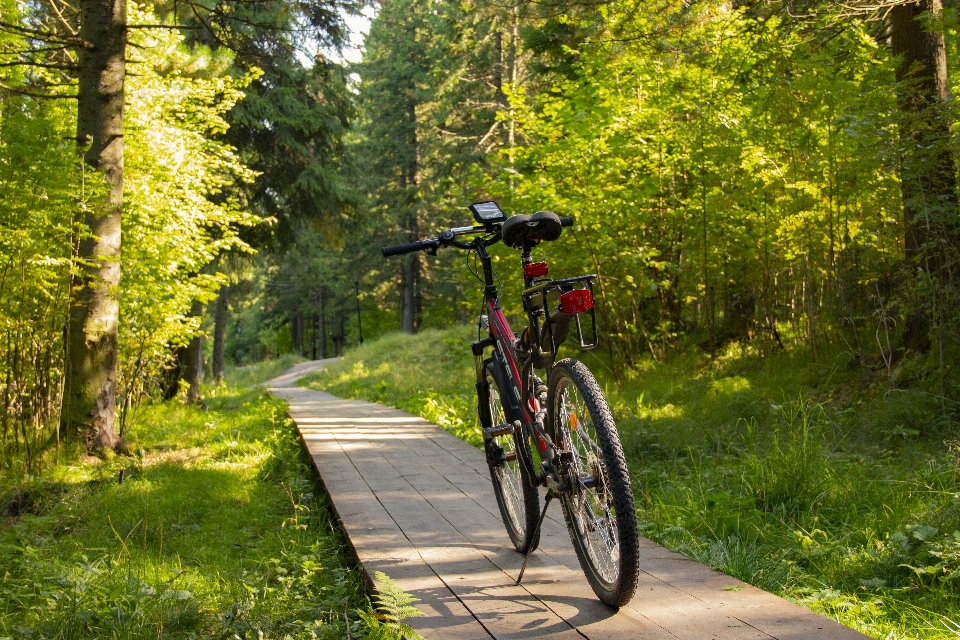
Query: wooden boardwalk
(417, 504)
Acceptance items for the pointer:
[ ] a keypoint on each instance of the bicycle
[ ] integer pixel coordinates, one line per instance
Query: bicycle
(560, 435)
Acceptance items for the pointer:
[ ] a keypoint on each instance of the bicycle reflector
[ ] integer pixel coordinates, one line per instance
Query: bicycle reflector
(576, 301)
(536, 269)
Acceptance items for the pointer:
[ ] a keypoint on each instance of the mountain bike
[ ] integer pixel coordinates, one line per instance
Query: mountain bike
(560, 434)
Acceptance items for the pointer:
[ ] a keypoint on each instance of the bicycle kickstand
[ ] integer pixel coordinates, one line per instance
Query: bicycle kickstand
(536, 532)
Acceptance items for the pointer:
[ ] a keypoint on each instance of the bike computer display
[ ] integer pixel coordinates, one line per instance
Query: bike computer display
(487, 212)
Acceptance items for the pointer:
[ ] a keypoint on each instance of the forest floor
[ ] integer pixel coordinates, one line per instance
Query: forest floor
(823, 483)
(215, 528)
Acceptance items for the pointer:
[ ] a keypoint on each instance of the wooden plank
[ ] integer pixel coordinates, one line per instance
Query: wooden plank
(417, 504)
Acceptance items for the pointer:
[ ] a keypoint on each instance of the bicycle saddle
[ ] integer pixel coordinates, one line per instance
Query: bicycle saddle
(543, 225)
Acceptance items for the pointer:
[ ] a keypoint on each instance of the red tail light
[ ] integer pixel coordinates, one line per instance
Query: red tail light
(536, 269)
(576, 301)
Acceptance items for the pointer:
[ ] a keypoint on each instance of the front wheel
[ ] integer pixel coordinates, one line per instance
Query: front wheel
(598, 503)
(519, 502)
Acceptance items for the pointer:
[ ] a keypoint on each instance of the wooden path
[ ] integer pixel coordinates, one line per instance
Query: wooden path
(417, 504)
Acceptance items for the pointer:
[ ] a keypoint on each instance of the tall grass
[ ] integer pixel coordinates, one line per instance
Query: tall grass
(794, 473)
(215, 529)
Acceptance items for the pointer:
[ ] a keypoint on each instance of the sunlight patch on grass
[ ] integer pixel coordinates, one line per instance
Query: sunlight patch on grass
(730, 386)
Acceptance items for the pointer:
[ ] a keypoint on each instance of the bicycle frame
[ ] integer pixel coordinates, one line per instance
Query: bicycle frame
(521, 407)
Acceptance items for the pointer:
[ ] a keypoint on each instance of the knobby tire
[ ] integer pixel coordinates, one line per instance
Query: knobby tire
(601, 518)
(519, 502)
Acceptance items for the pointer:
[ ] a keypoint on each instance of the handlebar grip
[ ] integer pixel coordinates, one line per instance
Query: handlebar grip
(410, 247)
(566, 221)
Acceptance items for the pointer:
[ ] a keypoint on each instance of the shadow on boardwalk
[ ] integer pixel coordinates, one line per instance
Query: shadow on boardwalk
(417, 504)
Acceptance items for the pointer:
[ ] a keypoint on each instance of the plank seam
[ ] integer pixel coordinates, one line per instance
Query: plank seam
(412, 545)
(466, 538)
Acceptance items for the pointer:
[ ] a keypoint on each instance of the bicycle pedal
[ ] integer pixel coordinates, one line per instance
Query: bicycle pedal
(498, 457)
(499, 430)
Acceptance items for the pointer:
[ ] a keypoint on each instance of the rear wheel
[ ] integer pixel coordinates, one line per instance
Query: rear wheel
(599, 506)
(518, 501)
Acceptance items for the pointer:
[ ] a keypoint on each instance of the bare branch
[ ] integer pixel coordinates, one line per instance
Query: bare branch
(63, 20)
(45, 65)
(161, 26)
(46, 36)
(32, 94)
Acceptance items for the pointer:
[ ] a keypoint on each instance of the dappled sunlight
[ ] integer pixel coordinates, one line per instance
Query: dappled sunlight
(664, 412)
(729, 386)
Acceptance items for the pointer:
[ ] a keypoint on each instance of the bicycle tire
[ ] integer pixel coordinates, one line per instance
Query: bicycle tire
(600, 512)
(519, 502)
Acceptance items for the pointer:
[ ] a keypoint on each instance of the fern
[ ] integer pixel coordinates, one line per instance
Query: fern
(393, 605)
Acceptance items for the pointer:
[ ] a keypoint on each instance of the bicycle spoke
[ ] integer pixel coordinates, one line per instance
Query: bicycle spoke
(594, 514)
(509, 473)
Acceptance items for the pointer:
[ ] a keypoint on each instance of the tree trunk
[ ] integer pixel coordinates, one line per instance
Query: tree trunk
(296, 331)
(220, 333)
(928, 179)
(322, 328)
(408, 293)
(410, 299)
(90, 393)
(193, 361)
(928, 175)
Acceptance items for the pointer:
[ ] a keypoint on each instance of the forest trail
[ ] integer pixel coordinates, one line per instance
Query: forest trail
(416, 503)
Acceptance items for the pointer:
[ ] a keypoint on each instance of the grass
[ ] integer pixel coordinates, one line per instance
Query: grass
(823, 483)
(216, 528)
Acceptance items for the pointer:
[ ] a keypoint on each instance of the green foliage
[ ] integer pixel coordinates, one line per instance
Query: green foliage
(179, 217)
(40, 186)
(738, 176)
(217, 530)
(393, 606)
(250, 375)
(179, 213)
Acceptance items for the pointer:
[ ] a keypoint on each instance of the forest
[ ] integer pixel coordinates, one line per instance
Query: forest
(197, 186)
(776, 174)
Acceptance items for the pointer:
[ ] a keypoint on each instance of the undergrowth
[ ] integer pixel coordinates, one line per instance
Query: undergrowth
(823, 483)
(215, 529)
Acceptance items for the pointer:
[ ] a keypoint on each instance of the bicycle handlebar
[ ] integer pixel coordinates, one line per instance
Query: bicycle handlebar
(447, 236)
(410, 247)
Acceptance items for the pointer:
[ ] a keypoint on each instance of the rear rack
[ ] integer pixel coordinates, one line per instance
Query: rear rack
(544, 298)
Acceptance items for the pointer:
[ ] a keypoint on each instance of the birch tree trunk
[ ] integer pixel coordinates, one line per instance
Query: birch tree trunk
(89, 410)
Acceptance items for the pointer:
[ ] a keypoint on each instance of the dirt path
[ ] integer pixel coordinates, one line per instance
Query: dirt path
(417, 504)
